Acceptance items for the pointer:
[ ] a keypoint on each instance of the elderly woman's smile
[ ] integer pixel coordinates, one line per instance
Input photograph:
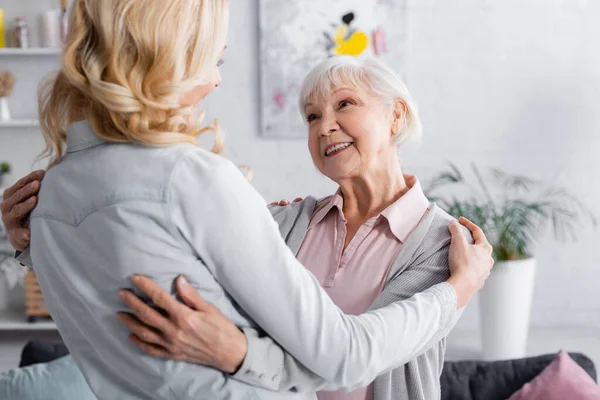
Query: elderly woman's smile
(336, 148)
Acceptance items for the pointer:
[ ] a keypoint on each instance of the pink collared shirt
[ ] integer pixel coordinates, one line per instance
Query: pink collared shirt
(354, 278)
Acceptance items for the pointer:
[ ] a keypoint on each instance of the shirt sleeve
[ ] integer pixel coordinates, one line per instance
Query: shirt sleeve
(265, 357)
(226, 222)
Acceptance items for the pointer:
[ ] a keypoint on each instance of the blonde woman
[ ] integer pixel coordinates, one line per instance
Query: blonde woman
(129, 192)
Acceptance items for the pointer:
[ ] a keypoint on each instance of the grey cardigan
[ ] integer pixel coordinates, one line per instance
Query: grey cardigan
(107, 211)
(422, 263)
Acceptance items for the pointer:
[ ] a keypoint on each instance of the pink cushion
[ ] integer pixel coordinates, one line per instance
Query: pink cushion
(562, 379)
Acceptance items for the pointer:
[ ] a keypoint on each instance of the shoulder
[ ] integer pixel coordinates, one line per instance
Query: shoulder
(436, 239)
(199, 169)
(438, 231)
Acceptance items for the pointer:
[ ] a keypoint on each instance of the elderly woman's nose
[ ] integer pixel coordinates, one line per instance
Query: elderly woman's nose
(329, 126)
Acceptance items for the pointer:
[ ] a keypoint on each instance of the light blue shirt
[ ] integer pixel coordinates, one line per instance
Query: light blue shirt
(107, 211)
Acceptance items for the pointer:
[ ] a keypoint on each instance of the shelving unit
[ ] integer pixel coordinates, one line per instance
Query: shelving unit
(20, 123)
(11, 320)
(33, 51)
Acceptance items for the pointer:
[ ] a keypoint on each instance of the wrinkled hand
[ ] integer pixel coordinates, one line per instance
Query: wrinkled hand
(470, 264)
(285, 202)
(195, 332)
(18, 201)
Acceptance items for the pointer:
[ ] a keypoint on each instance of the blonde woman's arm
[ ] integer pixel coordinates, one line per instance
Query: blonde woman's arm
(226, 222)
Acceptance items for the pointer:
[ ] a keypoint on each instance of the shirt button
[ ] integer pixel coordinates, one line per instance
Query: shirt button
(275, 378)
(261, 376)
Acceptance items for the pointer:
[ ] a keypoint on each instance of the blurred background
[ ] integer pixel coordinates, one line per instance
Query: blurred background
(511, 85)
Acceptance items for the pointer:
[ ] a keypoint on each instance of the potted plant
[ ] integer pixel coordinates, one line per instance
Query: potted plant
(4, 169)
(513, 211)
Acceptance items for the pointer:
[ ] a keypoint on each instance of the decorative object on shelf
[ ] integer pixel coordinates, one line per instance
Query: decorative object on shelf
(512, 217)
(51, 29)
(20, 33)
(64, 19)
(35, 305)
(296, 35)
(2, 28)
(7, 82)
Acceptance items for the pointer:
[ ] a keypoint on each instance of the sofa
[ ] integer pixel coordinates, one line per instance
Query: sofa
(460, 380)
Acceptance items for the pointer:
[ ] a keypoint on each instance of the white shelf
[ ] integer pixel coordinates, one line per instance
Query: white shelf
(33, 51)
(20, 123)
(17, 321)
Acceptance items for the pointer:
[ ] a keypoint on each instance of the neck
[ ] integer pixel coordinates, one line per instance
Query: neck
(369, 194)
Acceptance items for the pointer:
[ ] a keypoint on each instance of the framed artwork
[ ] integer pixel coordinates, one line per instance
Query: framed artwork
(296, 35)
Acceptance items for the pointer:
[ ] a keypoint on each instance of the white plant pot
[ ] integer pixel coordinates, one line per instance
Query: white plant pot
(505, 307)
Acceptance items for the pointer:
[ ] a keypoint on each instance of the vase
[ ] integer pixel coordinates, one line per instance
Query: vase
(505, 308)
(4, 110)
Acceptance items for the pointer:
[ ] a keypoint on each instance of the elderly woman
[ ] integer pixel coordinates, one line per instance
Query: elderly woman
(375, 241)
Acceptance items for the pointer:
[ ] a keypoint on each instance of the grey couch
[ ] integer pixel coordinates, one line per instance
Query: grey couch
(460, 380)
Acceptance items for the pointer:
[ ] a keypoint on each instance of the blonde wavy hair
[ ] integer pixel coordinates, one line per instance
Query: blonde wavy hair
(125, 66)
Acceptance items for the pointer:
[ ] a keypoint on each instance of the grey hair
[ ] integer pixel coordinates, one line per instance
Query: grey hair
(368, 74)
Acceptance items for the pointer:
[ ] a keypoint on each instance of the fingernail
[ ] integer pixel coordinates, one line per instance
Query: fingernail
(122, 294)
(136, 278)
(31, 200)
(182, 281)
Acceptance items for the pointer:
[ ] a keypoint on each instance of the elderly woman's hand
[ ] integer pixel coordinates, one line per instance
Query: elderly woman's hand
(470, 264)
(18, 201)
(197, 332)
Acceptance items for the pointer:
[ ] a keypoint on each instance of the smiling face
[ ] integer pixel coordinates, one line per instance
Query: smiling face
(350, 132)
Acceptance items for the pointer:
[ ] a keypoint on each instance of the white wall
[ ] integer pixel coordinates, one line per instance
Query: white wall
(513, 84)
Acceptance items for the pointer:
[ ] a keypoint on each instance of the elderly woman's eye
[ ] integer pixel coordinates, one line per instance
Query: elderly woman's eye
(311, 117)
(345, 103)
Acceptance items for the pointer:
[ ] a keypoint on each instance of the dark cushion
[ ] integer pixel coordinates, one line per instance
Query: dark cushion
(41, 351)
(460, 380)
(497, 380)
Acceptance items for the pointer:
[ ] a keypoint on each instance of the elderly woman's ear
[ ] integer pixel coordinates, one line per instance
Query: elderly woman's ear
(400, 110)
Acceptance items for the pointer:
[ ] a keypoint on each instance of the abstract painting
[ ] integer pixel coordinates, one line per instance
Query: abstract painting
(296, 35)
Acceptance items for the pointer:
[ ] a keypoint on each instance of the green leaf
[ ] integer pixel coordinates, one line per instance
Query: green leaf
(513, 211)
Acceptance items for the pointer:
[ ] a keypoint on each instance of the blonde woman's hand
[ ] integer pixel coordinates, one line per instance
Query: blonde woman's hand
(18, 201)
(285, 202)
(470, 264)
(195, 332)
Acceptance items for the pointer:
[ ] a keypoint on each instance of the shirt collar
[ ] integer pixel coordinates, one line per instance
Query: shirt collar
(402, 216)
(81, 136)
(405, 213)
(324, 207)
